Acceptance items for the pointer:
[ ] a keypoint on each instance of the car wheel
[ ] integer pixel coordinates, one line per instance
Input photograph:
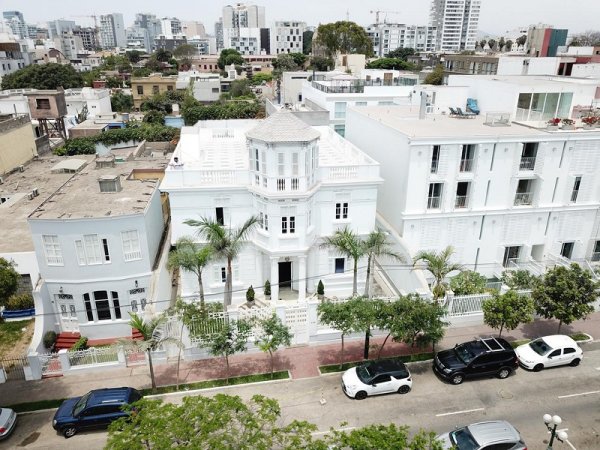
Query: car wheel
(504, 373)
(458, 378)
(575, 362)
(360, 395)
(538, 367)
(404, 389)
(69, 431)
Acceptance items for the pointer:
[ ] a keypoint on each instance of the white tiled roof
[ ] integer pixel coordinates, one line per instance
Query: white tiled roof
(283, 126)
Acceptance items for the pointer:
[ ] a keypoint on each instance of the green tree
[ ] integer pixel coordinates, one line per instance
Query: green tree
(439, 265)
(345, 37)
(377, 246)
(193, 258)
(240, 88)
(321, 63)
(209, 422)
(134, 56)
(9, 280)
(468, 282)
(382, 437)
(390, 64)
(482, 43)
(339, 316)
(436, 77)
(140, 72)
(509, 44)
(522, 40)
(120, 102)
(162, 55)
(226, 242)
(507, 311)
(231, 110)
(307, 38)
(260, 78)
(153, 65)
(229, 56)
(43, 76)
(153, 337)
(299, 59)
(519, 279)
(565, 294)
(366, 315)
(349, 244)
(401, 53)
(589, 38)
(230, 339)
(501, 43)
(284, 62)
(273, 334)
(492, 44)
(155, 117)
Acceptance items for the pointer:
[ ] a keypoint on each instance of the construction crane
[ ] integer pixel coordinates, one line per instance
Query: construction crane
(385, 12)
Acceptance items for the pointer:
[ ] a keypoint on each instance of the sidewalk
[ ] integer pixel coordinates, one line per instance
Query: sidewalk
(302, 362)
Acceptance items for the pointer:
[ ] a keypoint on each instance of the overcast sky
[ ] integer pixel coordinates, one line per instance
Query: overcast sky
(496, 16)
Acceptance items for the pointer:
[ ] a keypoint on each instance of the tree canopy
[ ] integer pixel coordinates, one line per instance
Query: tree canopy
(345, 37)
(120, 102)
(519, 279)
(588, 38)
(468, 282)
(230, 56)
(391, 63)
(401, 53)
(9, 280)
(565, 294)
(507, 311)
(436, 77)
(307, 38)
(43, 76)
(321, 63)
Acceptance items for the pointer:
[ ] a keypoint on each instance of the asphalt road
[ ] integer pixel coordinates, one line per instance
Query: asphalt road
(522, 399)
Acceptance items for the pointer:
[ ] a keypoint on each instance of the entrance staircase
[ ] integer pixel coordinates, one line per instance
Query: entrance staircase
(66, 340)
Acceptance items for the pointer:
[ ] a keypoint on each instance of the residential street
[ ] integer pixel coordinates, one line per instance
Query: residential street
(572, 393)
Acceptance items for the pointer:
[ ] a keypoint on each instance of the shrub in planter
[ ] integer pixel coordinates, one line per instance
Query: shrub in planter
(19, 301)
(250, 294)
(81, 344)
(320, 289)
(49, 339)
(267, 288)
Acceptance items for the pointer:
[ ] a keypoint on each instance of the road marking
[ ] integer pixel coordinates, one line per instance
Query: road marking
(570, 445)
(459, 412)
(318, 433)
(579, 395)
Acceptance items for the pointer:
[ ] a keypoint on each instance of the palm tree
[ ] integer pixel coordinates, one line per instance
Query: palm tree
(375, 246)
(192, 258)
(152, 338)
(346, 242)
(439, 265)
(225, 243)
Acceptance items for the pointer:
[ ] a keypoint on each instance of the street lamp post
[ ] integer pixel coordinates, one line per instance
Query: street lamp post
(552, 422)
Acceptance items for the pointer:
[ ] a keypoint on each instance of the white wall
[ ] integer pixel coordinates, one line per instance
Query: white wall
(591, 70)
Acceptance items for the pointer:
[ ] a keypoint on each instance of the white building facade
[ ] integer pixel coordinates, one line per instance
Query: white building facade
(302, 183)
(387, 37)
(112, 31)
(456, 22)
(286, 37)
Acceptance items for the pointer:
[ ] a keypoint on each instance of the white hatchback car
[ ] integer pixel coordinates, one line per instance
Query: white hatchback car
(376, 377)
(8, 421)
(549, 351)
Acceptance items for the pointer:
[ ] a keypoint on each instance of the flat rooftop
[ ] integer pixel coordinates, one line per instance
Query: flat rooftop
(406, 120)
(80, 196)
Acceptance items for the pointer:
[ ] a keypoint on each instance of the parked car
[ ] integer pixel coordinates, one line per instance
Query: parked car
(377, 377)
(96, 409)
(549, 351)
(491, 435)
(8, 422)
(482, 357)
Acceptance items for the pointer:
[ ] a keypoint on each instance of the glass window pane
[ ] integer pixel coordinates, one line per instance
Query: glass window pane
(537, 106)
(550, 105)
(564, 106)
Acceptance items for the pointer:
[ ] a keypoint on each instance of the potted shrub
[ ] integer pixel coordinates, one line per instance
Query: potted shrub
(553, 123)
(320, 290)
(250, 295)
(589, 122)
(568, 124)
(267, 290)
(49, 339)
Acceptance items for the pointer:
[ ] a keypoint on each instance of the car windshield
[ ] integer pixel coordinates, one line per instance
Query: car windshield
(464, 354)
(463, 439)
(80, 405)
(540, 347)
(363, 373)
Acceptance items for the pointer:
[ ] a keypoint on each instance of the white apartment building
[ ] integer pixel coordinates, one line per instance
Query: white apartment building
(97, 242)
(242, 24)
(286, 37)
(112, 31)
(387, 37)
(505, 194)
(456, 22)
(14, 54)
(170, 27)
(206, 87)
(247, 41)
(243, 15)
(302, 183)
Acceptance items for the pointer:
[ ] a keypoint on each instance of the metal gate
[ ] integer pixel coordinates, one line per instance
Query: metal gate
(51, 365)
(14, 368)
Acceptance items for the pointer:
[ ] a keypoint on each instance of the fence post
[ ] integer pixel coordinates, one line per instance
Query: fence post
(121, 355)
(63, 357)
(313, 317)
(34, 371)
(449, 300)
(280, 311)
(2, 376)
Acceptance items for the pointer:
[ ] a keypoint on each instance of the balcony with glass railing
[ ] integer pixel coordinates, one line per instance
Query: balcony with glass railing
(466, 165)
(461, 201)
(574, 195)
(434, 166)
(595, 257)
(434, 202)
(527, 163)
(523, 198)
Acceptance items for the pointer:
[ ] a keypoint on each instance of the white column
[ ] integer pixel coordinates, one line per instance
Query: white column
(275, 279)
(301, 278)
(258, 263)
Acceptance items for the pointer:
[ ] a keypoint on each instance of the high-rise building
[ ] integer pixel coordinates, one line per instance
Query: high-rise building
(219, 34)
(171, 26)
(112, 31)
(387, 37)
(544, 40)
(150, 23)
(243, 16)
(193, 28)
(16, 22)
(244, 29)
(286, 37)
(57, 27)
(89, 37)
(456, 22)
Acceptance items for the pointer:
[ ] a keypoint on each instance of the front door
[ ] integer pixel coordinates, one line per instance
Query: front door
(68, 315)
(285, 275)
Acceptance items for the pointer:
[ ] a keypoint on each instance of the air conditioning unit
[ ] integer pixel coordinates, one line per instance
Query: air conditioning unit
(21, 168)
(30, 196)
(35, 192)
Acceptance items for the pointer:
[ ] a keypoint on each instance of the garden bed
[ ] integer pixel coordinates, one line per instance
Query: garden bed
(417, 357)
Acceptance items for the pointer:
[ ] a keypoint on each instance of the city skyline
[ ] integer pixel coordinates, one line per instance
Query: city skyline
(496, 17)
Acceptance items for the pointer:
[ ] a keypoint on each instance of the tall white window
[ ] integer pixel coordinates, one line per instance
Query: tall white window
(81, 259)
(281, 164)
(92, 247)
(131, 245)
(340, 110)
(52, 250)
(341, 211)
(295, 164)
(284, 225)
(257, 161)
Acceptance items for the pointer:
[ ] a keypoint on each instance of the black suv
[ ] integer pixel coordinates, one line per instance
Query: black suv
(490, 356)
(96, 409)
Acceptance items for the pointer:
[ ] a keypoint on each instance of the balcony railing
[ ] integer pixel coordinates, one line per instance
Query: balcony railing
(434, 165)
(523, 198)
(434, 202)
(574, 195)
(281, 184)
(596, 256)
(527, 163)
(461, 201)
(466, 165)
